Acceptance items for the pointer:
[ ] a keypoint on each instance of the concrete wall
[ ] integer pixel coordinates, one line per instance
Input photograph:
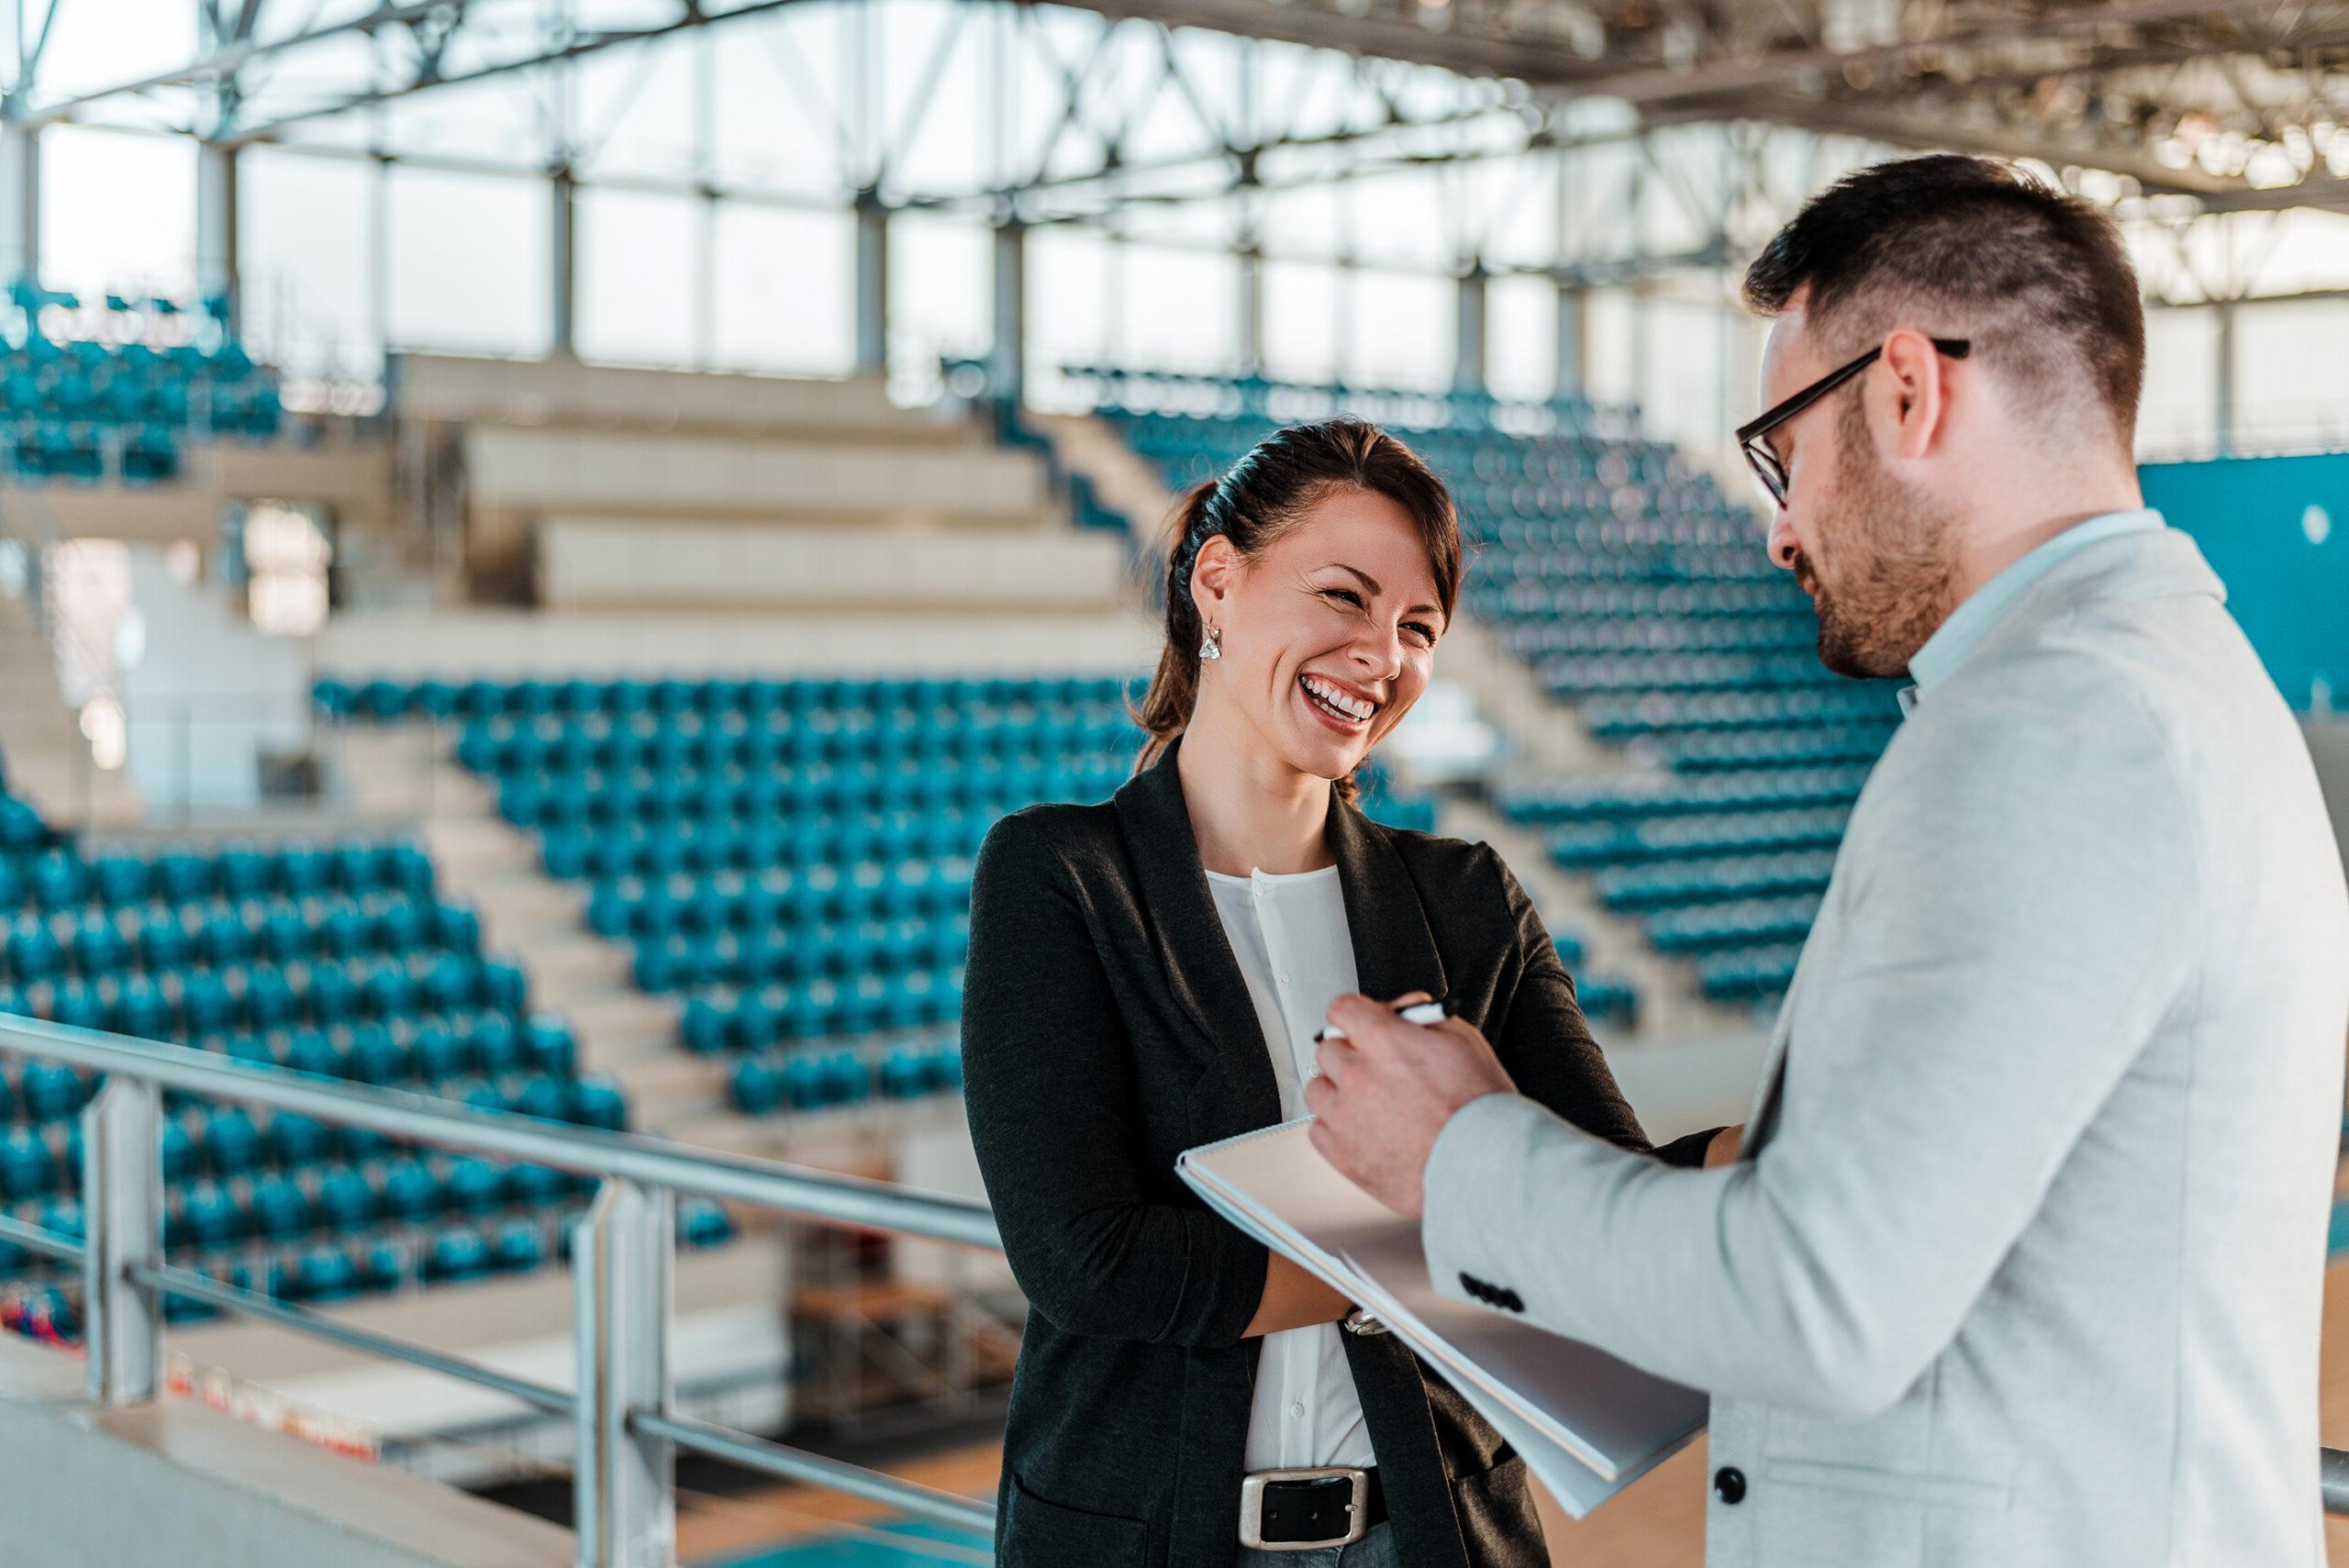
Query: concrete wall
(509, 468)
(564, 392)
(588, 562)
(177, 1484)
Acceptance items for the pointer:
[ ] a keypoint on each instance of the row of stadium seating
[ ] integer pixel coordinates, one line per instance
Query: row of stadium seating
(229, 871)
(796, 866)
(334, 959)
(85, 395)
(809, 1080)
(1634, 589)
(384, 700)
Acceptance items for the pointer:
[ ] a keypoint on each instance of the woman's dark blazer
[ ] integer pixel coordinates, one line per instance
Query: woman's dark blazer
(1106, 1028)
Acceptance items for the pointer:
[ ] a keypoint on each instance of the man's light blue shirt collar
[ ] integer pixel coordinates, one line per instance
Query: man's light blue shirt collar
(1947, 648)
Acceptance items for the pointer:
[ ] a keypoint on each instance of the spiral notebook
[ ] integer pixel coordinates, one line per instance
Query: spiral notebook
(1587, 1424)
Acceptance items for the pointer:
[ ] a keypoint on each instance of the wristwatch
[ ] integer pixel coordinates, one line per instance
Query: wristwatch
(1361, 1321)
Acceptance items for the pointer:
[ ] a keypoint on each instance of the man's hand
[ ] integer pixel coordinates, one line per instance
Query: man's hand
(1384, 1092)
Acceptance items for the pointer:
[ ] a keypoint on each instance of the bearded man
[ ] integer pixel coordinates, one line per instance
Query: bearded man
(2019, 1261)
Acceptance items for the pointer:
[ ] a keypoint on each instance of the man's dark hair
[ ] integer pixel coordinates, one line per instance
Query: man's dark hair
(1969, 248)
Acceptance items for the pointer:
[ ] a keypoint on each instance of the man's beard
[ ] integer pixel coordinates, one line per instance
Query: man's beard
(1893, 560)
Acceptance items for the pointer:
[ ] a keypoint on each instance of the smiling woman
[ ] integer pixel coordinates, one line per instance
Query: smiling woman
(1316, 576)
(1148, 975)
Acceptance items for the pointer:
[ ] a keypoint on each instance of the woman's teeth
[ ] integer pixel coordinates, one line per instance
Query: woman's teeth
(1338, 704)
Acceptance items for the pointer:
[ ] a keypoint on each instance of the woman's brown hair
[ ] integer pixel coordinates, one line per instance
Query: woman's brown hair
(1259, 499)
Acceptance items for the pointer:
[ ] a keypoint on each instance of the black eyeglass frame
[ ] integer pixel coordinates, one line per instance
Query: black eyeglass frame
(1765, 461)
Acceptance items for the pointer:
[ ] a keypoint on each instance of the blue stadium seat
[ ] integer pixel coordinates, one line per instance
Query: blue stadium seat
(519, 1248)
(458, 1253)
(28, 1167)
(412, 1190)
(703, 1222)
(281, 1207)
(348, 1200)
(207, 1216)
(325, 1273)
(50, 1090)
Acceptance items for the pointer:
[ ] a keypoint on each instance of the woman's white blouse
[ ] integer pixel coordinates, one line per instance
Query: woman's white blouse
(1289, 934)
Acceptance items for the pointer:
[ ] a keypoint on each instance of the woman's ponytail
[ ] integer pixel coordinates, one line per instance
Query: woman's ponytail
(1165, 710)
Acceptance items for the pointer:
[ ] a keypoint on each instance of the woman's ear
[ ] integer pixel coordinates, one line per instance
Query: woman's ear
(1211, 576)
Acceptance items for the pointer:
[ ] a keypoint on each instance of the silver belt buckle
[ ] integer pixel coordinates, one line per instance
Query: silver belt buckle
(1252, 1507)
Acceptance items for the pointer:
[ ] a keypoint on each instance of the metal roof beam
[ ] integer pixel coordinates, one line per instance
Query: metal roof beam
(1889, 126)
(690, 16)
(1715, 77)
(230, 59)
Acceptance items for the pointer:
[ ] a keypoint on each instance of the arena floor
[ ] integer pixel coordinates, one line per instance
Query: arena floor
(1659, 1523)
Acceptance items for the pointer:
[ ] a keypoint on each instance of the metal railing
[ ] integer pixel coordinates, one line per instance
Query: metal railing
(622, 1255)
(627, 1436)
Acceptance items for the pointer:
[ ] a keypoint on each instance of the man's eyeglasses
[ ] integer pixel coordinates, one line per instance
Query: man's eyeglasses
(1751, 437)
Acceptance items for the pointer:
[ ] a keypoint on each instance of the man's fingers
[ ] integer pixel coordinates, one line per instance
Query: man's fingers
(1348, 1005)
(1319, 1137)
(1321, 1096)
(1359, 1018)
(1334, 1057)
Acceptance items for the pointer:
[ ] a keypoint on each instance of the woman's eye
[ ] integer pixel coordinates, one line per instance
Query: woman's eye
(1427, 632)
(1347, 594)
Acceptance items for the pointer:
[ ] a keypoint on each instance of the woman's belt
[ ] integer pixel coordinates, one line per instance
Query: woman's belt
(1305, 1510)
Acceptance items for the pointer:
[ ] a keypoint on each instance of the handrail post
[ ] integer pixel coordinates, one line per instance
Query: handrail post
(122, 1209)
(624, 1500)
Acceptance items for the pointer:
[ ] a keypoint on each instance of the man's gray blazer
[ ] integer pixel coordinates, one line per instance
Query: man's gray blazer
(2022, 1260)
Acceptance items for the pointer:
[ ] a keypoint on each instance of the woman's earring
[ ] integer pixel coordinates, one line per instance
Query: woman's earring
(1213, 647)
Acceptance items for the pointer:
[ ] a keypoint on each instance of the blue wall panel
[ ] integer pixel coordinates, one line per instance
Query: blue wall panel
(2276, 530)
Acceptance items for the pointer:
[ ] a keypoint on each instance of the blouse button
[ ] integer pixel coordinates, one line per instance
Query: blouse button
(1298, 1411)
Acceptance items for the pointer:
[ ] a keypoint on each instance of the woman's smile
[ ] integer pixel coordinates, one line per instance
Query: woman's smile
(1342, 707)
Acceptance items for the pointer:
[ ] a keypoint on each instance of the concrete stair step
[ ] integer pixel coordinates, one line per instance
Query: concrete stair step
(674, 1087)
(470, 849)
(624, 1020)
(1120, 477)
(562, 963)
(728, 1132)
(421, 795)
(522, 905)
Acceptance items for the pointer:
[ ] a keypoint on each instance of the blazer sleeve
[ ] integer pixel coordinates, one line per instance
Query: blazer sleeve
(2018, 920)
(1546, 1043)
(1056, 1119)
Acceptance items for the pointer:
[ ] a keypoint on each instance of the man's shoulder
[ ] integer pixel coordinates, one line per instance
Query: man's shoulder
(2053, 728)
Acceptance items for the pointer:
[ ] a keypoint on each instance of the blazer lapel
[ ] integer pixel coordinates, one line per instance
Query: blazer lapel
(1394, 950)
(1193, 953)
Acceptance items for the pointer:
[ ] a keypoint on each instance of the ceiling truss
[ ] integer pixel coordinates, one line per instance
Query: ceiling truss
(2175, 112)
